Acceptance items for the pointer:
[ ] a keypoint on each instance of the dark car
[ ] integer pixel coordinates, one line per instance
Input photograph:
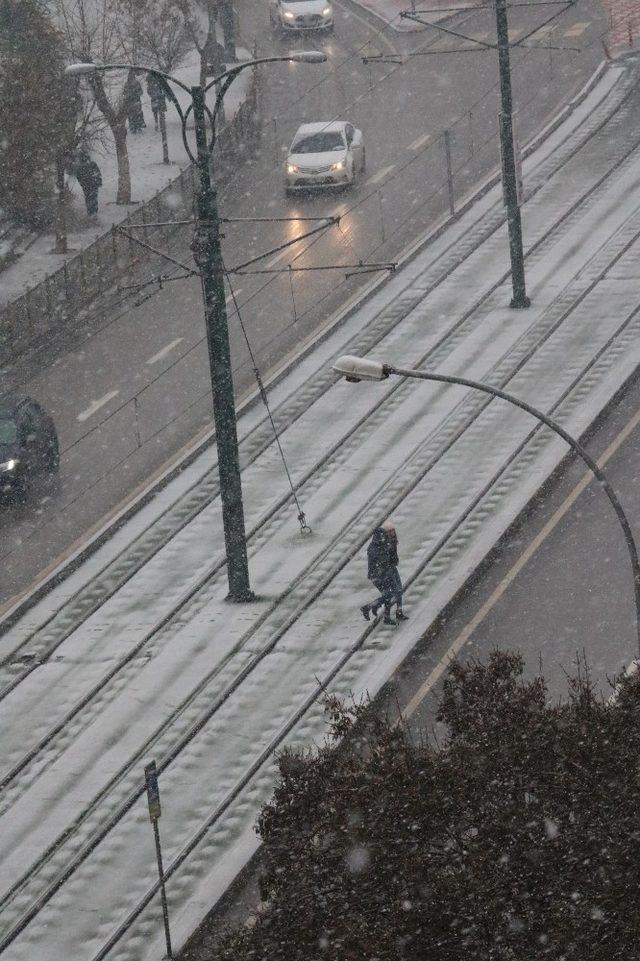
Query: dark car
(28, 444)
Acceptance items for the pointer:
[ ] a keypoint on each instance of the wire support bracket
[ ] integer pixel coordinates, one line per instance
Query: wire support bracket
(190, 272)
(159, 279)
(360, 268)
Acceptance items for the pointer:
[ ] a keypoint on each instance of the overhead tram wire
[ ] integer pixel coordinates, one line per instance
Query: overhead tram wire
(124, 301)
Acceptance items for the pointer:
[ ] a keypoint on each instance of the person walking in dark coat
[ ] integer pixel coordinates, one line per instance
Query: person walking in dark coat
(157, 97)
(382, 557)
(87, 173)
(133, 101)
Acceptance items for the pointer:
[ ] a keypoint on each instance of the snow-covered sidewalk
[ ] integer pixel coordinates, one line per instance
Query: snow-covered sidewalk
(211, 692)
(148, 176)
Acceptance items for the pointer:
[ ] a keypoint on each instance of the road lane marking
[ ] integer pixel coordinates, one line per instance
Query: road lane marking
(380, 175)
(515, 32)
(352, 14)
(420, 142)
(164, 351)
(576, 30)
(229, 297)
(464, 635)
(95, 405)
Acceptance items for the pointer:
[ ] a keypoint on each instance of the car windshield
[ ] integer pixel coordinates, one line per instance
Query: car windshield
(8, 432)
(322, 142)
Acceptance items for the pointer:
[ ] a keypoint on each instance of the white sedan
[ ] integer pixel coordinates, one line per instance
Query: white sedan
(292, 16)
(329, 154)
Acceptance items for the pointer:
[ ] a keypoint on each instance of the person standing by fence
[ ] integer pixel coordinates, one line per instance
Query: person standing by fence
(157, 97)
(133, 99)
(87, 173)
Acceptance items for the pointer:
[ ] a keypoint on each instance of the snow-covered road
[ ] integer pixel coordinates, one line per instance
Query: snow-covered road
(163, 667)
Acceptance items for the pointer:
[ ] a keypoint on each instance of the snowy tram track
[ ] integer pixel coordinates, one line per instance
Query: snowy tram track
(41, 643)
(436, 356)
(209, 738)
(524, 353)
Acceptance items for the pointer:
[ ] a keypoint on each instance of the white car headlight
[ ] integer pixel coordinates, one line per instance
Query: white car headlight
(9, 465)
(340, 165)
(292, 169)
(326, 12)
(288, 14)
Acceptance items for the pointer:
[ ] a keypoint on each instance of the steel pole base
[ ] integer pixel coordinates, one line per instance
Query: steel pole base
(241, 597)
(520, 302)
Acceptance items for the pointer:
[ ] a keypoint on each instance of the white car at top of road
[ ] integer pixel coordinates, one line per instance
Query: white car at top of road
(299, 15)
(329, 154)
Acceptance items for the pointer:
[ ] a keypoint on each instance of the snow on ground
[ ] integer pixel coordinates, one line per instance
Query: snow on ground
(148, 175)
(435, 474)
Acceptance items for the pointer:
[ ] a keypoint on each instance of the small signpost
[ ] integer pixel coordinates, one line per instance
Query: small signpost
(153, 798)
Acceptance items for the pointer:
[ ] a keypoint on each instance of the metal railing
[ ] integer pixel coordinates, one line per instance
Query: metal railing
(58, 299)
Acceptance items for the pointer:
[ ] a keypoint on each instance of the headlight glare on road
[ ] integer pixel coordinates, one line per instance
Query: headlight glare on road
(340, 165)
(292, 169)
(9, 465)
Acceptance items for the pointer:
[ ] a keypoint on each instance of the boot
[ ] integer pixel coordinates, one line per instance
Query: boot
(387, 619)
(400, 615)
(365, 611)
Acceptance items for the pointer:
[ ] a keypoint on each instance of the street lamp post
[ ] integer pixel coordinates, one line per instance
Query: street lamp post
(208, 256)
(355, 369)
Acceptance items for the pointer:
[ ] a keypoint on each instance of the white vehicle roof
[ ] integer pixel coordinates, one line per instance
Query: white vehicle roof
(322, 126)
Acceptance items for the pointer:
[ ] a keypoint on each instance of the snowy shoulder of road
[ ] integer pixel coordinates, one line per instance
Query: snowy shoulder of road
(149, 175)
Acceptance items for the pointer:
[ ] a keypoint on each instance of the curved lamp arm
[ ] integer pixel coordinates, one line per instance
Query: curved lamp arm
(295, 56)
(356, 369)
(86, 69)
(571, 441)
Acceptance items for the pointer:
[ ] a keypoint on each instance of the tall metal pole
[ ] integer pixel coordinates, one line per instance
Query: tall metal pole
(509, 173)
(208, 256)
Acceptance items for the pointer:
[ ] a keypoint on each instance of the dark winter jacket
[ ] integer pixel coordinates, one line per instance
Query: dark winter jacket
(132, 91)
(156, 93)
(382, 555)
(87, 173)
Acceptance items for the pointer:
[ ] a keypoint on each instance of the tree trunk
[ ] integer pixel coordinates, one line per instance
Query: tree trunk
(116, 118)
(61, 246)
(123, 195)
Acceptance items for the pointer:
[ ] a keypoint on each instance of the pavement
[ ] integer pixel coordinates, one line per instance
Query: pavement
(138, 655)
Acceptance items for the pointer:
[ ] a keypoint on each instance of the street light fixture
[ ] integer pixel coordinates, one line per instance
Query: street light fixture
(355, 369)
(207, 252)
